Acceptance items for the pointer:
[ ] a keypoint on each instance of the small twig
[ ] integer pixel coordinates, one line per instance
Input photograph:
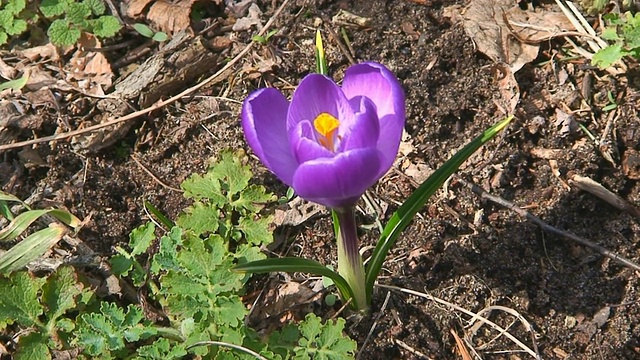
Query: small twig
(415, 352)
(337, 40)
(144, 168)
(464, 311)
(375, 324)
(548, 228)
(587, 184)
(155, 106)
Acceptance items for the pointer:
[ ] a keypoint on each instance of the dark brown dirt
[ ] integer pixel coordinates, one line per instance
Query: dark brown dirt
(580, 305)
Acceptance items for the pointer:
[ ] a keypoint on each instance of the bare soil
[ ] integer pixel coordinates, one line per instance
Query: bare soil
(464, 250)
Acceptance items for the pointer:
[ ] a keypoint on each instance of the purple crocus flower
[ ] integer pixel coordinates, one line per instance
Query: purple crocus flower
(330, 143)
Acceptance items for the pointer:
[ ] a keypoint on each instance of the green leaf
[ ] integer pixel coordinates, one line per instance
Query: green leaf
(62, 33)
(121, 265)
(60, 292)
(141, 238)
(256, 230)
(166, 257)
(3, 37)
(604, 58)
(22, 222)
(97, 6)
(324, 341)
(105, 26)
(205, 186)
(19, 301)
(31, 248)
(160, 37)
(18, 26)
(164, 220)
(143, 30)
(32, 347)
(162, 349)
(200, 218)
(233, 173)
(15, 6)
(321, 60)
(250, 196)
(293, 264)
(404, 215)
(51, 8)
(77, 13)
(16, 84)
(611, 34)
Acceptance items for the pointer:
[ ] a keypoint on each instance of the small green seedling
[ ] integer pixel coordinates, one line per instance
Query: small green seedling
(146, 31)
(624, 31)
(612, 102)
(264, 39)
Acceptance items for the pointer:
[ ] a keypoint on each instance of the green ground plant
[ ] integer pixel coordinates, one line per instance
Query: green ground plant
(186, 274)
(623, 30)
(64, 20)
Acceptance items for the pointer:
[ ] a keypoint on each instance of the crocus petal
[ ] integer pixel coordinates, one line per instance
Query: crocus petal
(317, 94)
(365, 130)
(305, 146)
(376, 82)
(263, 118)
(338, 181)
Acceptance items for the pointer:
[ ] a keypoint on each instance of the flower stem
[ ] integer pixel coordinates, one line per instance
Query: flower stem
(350, 265)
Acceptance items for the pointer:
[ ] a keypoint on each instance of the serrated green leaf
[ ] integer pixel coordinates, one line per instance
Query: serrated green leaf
(166, 257)
(6, 19)
(32, 347)
(229, 312)
(105, 26)
(604, 58)
(18, 26)
(200, 218)
(62, 33)
(246, 253)
(251, 198)
(206, 186)
(19, 301)
(256, 231)
(51, 8)
(324, 341)
(610, 34)
(3, 37)
(235, 175)
(97, 6)
(77, 13)
(31, 248)
(140, 238)
(15, 6)
(162, 349)
(60, 292)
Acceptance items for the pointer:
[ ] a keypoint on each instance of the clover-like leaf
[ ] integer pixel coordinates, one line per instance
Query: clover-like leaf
(62, 33)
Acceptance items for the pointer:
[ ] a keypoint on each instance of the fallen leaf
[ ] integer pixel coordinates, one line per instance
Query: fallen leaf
(566, 122)
(89, 70)
(508, 86)
(537, 26)
(484, 23)
(43, 52)
(252, 19)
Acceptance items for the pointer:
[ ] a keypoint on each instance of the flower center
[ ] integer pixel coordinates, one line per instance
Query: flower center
(326, 125)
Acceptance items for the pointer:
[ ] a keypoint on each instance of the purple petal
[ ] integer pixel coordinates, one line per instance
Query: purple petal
(376, 82)
(338, 181)
(305, 145)
(317, 94)
(365, 130)
(263, 119)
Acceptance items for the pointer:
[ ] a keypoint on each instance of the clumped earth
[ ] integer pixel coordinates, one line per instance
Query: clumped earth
(462, 249)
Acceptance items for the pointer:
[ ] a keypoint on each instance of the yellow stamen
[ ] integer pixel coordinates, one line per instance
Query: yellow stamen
(326, 125)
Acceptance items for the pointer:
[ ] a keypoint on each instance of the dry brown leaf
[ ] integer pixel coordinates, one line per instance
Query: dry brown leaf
(136, 8)
(484, 23)
(537, 26)
(508, 86)
(171, 17)
(48, 51)
(89, 70)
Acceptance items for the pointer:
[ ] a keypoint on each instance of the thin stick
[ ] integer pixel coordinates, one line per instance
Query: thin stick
(548, 228)
(153, 176)
(375, 324)
(155, 106)
(465, 311)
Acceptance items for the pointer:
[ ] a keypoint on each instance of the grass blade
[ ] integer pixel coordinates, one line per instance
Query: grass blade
(31, 248)
(403, 216)
(293, 264)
